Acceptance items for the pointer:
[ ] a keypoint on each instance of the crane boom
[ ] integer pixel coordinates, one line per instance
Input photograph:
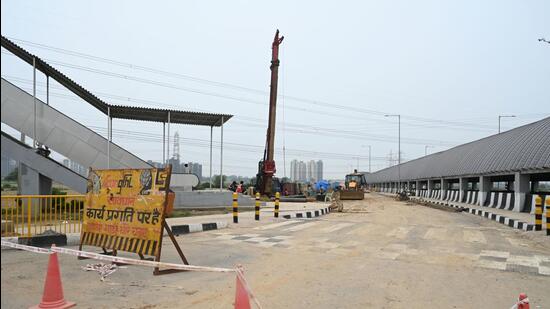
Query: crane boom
(266, 167)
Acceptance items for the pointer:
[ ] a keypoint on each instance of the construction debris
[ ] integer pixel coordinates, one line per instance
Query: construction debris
(104, 270)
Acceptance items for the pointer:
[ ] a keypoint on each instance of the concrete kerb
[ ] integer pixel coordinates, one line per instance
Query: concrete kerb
(308, 214)
(510, 222)
(73, 239)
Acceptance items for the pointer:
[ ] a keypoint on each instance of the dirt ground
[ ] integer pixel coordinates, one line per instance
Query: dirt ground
(379, 254)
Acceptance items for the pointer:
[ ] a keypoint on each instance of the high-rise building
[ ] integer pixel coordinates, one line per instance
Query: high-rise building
(195, 168)
(319, 170)
(294, 170)
(302, 172)
(312, 171)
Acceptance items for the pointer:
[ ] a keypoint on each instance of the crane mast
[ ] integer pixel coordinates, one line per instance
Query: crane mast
(266, 167)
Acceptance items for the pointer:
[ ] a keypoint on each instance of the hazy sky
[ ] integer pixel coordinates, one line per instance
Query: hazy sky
(448, 67)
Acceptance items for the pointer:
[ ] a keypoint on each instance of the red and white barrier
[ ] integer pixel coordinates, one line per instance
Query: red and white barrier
(242, 285)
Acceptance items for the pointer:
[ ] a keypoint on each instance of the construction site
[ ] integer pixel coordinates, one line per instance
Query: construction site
(234, 166)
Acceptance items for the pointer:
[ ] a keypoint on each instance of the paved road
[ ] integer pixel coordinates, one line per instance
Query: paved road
(382, 254)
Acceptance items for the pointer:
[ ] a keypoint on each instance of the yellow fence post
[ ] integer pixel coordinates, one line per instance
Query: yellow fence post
(29, 202)
(538, 213)
(547, 215)
(235, 207)
(28, 215)
(257, 207)
(277, 197)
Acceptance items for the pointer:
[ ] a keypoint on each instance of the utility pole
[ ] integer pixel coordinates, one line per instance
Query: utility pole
(369, 155)
(369, 160)
(503, 116)
(398, 148)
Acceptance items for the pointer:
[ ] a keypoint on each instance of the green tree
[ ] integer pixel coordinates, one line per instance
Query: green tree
(216, 181)
(12, 176)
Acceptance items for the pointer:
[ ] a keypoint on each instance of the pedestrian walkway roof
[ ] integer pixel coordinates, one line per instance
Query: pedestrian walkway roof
(116, 111)
(523, 149)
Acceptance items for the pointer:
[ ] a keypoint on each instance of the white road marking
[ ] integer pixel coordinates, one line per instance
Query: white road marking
(335, 227)
(326, 245)
(256, 239)
(400, 232)
(387, 255)
(435, 233)
(250, 235)
(529, 261)
(276, 225)
(225, 236)
(266, 244)
(301, 227)
(474, 236)
(283, 237)
(543, 270)
(491, 264)
(499, 254)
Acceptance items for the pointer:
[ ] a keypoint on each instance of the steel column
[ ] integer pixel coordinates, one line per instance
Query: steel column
(47, 90)
(168, 141)
(34, 139)
(164, 143)
(211, 134)
(108, 137)
(221, 158)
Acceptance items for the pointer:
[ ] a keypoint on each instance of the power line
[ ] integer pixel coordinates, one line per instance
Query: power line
(293, 127)
(218, 84)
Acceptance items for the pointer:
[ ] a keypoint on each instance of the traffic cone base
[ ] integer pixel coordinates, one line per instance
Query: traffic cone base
(53, 288)
(242, 300)
(62, 304)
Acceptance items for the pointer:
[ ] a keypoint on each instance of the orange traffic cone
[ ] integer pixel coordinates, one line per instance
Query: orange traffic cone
(523, 301)
(53, 289)
(241, 295)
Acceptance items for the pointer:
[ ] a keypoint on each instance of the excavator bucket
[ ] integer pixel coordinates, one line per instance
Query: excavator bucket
(352, 195)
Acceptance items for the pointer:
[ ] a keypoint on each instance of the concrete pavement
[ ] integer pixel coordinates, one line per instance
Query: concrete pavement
(391, 254)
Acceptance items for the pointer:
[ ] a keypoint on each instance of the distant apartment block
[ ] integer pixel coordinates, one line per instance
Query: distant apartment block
(311, 171)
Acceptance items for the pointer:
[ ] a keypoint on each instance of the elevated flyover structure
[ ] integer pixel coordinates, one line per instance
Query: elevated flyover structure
(501, 171)
(50, 127)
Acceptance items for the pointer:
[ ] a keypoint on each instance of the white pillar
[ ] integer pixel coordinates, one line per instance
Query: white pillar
(109, 137)
(221, 158)
(417, 188)
(164, 143)
(484, 188)
(34, 137)
(211, 133)
(430, 187)
(443, 189)
(463, 187)
(168, 140)
(521, 189)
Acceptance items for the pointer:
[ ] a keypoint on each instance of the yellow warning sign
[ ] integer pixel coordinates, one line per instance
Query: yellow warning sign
(125, 209)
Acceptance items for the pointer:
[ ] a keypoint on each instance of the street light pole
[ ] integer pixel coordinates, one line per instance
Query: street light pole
(503, 116)
(398, 149)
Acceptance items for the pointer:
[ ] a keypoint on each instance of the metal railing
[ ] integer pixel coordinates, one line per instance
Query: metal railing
(29, 215)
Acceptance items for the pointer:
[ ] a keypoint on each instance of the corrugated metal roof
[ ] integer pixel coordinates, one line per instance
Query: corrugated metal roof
(161, 115)
(526, 148)
(122, 112)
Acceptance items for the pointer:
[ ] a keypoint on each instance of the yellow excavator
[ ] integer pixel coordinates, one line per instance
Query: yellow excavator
(355, 186)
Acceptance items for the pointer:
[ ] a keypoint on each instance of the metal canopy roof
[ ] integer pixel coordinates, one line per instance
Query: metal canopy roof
(161, 115)
(523, 149)
(122, 112)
